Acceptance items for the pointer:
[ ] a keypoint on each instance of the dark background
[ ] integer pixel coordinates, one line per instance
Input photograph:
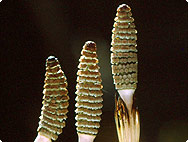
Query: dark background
(30, 31)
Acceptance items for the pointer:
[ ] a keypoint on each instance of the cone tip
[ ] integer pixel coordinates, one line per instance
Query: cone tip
(90, 44)
(124, 7)
(51, 58)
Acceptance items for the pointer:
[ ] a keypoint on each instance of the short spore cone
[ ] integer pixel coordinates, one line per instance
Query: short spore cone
(89, 91)
(55, 100)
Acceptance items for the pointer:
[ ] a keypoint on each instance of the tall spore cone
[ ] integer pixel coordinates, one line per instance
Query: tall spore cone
(124, 52)
(124, 70)
(55, 100)
(89, 91)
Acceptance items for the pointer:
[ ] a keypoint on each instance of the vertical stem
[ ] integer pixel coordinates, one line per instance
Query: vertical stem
(41, 138)
(127, 121)
(137, 126)
(127, 97)
(85, 138)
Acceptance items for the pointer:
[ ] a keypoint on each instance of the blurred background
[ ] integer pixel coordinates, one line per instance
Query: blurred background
(30, 31)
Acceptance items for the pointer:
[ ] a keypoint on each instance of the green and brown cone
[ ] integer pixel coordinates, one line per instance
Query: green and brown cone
(124, 53)
(89, 91)
(55, 100)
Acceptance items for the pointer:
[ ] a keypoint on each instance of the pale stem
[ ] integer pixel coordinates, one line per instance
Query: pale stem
(127, 123)
(127, 97)
(85, 138)
(41, 138)
(137, 127)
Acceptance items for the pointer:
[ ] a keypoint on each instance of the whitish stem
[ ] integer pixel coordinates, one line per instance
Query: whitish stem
(127, 97)
(127, 117)
(41, 138)
(85, 138)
